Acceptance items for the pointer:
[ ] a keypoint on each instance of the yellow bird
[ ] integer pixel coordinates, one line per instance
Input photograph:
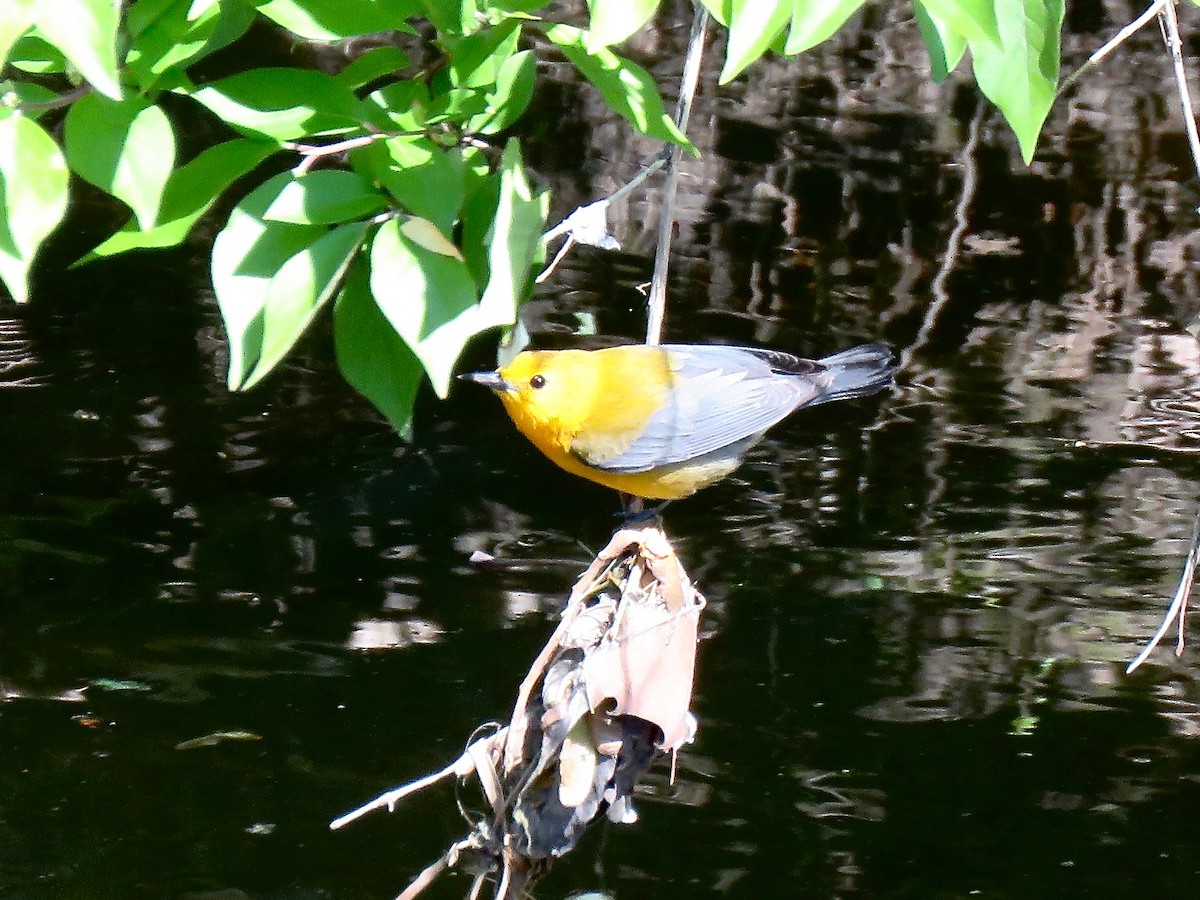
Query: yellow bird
(662, 422)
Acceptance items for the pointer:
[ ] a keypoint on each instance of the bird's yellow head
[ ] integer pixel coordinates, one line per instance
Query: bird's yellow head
(547, 393)
(589, 402)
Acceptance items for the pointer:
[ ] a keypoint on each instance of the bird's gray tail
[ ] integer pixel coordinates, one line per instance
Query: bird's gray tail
(858, 372)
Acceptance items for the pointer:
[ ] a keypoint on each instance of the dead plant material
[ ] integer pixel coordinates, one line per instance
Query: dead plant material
(607, 694)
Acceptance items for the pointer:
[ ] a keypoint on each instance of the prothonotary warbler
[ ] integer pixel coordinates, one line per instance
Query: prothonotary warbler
(661, 422)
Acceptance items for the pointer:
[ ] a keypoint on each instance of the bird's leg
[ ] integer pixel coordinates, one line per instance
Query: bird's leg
(633, 512)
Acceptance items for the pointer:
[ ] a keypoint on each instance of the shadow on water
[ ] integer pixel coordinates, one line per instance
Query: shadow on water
(911, 680)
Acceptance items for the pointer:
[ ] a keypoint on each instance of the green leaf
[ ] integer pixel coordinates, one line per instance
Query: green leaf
(1021, 76)
(815, 21)
(514, 242)
(425, 234)
(478, 213)
(284, 104)
(475, 61)
(246, 256)
(33, 198)
(753, 25)
(373, 358)
(945, 45)
(612, 21)
(429, 298)
(456, 105)
(296, 293)
(626, 87)
(974, 19)
(404, 104)
(190, 193)
(179, 35)
(427, 180)
(26, 92)
(321, 20)
(16, 17)
(451, 17)
(510, 96)
(325, 197)
(236, 18)
(126, 149)
(372, 65)
(86, 32)
(143, 14)
(33, 54)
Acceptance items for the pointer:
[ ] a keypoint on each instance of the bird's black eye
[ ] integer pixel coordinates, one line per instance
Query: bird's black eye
(537, 381)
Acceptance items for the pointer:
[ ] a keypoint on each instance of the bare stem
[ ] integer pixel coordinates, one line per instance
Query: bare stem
(427, 877)
(392, 797)
(64, 99)
(1170, 25)
(567, 224)
(312, 152)
(687, 90)
(558, 257)
(1121, 36)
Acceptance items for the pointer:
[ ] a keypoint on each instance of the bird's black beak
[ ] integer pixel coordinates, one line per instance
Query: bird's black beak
(488, 380)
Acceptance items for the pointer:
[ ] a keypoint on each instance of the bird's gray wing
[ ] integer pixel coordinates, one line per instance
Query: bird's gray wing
(722, 395)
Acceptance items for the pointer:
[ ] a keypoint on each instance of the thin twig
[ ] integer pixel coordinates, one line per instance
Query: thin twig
(392, 797)
(1121, 36)
(64, 99)
(558, 257)
(428, 875)
(313, 152)
(953, 245)
(657, 303)
(566, 225)
(1178, 607)
(1175, 45)
(505, 878)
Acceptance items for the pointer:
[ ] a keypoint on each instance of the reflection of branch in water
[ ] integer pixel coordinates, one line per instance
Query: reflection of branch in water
(1178, 607)
(941, 297)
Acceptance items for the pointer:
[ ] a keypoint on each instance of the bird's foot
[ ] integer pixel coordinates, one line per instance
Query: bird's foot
(635, 514)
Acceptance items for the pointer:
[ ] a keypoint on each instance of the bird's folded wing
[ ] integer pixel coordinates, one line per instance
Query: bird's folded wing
(720, 396)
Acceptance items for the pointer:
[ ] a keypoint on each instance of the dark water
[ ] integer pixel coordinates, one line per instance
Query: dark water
(920, 606)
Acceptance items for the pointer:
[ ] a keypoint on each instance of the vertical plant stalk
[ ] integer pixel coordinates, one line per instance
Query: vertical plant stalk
(1179, 604)
(1170, 24)
(1177, 611)
(657, 304)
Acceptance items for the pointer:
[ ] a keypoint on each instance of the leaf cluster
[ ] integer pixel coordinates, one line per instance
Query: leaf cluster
(408, 214)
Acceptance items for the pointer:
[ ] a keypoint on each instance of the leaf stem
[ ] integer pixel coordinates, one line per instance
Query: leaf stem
(313, 152)
(64, 99)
